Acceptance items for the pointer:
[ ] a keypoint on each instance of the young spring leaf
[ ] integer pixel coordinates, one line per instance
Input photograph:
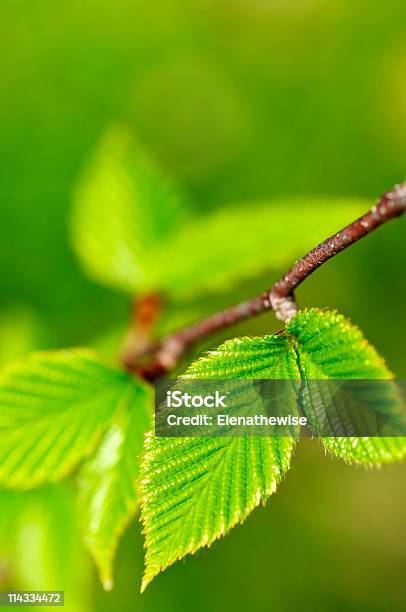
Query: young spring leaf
(108, 497)
(330, 347)
(248, 241)
(122, 208)
(54, 407)
(194, 490)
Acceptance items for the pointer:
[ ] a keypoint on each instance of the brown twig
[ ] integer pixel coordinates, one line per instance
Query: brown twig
(145, 312)
(392, 204)
(279, 298)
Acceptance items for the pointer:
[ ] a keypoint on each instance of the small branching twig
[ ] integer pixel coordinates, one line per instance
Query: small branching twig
(280, 298)
(145, 312)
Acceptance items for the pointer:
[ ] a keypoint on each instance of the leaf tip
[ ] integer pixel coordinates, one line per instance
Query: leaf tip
(107, 583)
(105, 570)
(146, 580)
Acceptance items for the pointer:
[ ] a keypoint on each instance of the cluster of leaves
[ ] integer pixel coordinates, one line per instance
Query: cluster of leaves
(66, 413)
(195, 490)
(133, 229)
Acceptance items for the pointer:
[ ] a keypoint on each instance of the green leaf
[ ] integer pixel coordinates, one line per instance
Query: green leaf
(216, 251)
(194, 490)
(123, 207)
(330, 347)
(108, 497)
(54, 407)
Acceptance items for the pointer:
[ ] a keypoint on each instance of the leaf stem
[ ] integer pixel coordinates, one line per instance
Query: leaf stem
(280, 298)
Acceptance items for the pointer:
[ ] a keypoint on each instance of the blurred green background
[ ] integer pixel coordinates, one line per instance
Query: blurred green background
(240, 100)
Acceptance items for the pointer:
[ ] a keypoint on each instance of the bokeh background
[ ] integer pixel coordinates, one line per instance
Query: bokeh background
(239, 100)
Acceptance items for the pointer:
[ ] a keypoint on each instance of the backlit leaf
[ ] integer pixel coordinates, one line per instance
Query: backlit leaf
(108, 497)
(329, 346)
(54, 408)
(216, 251)
(123, 207)
(194, 490)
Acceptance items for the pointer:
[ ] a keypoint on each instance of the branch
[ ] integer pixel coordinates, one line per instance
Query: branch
(167, 353)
